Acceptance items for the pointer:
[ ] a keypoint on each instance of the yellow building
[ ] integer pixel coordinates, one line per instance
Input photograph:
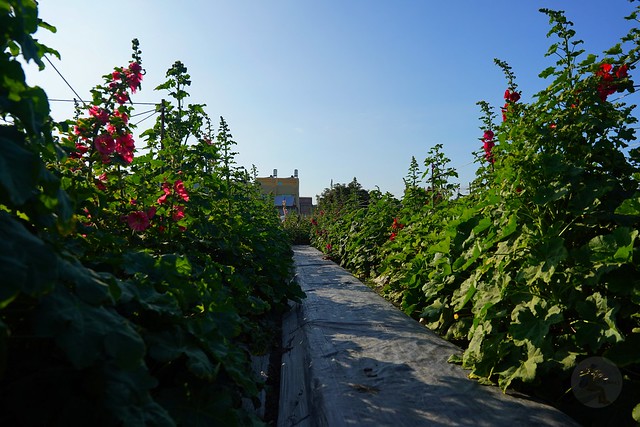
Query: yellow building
(285, 191)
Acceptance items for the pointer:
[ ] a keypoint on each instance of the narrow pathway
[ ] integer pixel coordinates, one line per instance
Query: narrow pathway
(352, 359)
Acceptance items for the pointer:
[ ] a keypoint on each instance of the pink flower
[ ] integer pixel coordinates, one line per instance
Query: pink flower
(121, 97)
(135, 68)
(178, 213)
(81, 148)
(105, 144)
(138, 221)
(162, 199)
(125, 146)
(101, 115)
(122, 116)
(134, 76)
(179, 187)
(101, 182)
(151, 212)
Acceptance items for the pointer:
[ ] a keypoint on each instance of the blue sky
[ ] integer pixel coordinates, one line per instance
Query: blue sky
(334, 88)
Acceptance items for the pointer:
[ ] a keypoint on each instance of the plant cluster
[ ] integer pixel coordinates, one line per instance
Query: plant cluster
(538, 267)
(135, 288)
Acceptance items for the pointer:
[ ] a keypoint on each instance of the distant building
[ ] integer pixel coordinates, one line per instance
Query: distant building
(286, 193)
(306, 206)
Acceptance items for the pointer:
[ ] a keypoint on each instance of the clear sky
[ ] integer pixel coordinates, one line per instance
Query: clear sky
(334, 88)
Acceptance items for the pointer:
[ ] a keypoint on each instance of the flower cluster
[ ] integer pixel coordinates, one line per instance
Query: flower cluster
(608, 79)
(510, 98)
(177, 189)
(488, 144)
(106, 131)
(130, 76)
(395, 227)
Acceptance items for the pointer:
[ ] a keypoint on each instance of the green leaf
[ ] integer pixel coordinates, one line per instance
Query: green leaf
(127, 398)
(625, 353)
(531, 321)
(19, 167)
(526, 371)
(84, 331)
(596, 325)
(616, 247)
(547, 72)
(27, 264)
(636, 413)
(630, 206)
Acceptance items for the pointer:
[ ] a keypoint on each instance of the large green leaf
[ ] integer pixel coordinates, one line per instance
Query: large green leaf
(531, 321)
(27, 264)
(615, 248)
(87, 334)
(19, 167)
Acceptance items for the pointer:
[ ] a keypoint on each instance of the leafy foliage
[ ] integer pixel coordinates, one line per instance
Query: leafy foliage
(537, 268)
(135, 289)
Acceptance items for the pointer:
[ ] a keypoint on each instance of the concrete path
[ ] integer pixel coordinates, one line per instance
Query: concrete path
(352, 359)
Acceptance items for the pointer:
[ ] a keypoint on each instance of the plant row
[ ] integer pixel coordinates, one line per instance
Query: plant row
(537, 268)
(136, 285)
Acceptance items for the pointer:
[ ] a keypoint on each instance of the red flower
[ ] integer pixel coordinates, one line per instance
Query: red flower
(162, 199)
(138, 221)
(511, 95)
(396, 225)
(393, 236)
(488, 145)
(621, 72)
(607, 85)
